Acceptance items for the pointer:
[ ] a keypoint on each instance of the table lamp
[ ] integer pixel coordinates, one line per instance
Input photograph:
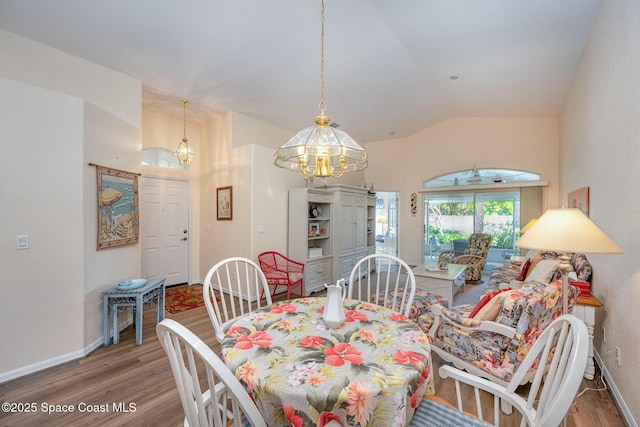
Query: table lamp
(566, 230)
(528, 226)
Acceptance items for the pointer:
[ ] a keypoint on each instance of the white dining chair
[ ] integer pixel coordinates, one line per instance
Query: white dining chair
(565, 341)
(209, 392)
(385, 280)
(232, 288)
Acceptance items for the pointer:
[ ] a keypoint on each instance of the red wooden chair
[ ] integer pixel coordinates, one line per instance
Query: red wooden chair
(281, 270)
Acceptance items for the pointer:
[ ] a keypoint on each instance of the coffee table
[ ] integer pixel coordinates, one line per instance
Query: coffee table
(441, 282)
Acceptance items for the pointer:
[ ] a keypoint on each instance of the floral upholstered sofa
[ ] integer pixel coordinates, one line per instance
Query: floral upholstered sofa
(501, 275)
(494, 342)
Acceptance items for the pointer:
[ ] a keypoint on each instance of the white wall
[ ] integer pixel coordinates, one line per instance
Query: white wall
(600, 149)
(456, 144)
(27, 61)
(162, 131)
(238, 151)
(230, 158)
(108, 141)
(270, 202)
(40, 168)
(51, 297)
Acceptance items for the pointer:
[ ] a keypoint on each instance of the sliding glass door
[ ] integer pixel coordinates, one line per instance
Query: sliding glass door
(451, 217)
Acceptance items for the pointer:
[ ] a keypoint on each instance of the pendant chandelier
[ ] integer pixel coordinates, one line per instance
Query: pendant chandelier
(184, 152)
(321, 150)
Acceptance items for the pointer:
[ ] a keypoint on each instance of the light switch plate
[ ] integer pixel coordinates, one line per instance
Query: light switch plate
(22, 241)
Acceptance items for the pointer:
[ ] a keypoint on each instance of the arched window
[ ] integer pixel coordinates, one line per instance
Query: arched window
(161, 157)
(477, 176)
(494, 201)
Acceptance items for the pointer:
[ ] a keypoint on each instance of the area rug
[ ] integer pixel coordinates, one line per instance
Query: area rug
(183, 298)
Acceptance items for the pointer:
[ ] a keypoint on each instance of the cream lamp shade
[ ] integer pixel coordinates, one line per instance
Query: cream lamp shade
(566, 230)
(528, 226)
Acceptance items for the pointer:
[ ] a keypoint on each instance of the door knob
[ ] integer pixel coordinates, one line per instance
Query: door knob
(183, 239)
(184, 231)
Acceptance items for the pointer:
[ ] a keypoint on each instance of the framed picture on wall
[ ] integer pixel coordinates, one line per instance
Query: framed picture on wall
(117, 207)
(224, 198)
(579, 199)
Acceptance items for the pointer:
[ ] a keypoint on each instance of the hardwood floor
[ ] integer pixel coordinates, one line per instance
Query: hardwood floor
(138, 379)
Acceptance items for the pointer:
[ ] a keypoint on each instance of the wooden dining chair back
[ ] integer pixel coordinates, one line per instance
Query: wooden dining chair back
(385, 280)
(209, 392)
(565, 342)
(232, 288)
(282, 271)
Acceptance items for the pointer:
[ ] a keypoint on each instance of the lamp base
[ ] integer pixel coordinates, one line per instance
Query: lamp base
(565, 268)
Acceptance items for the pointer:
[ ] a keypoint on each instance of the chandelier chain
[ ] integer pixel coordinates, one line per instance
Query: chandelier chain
(322, 104)
(321, 150)
(184, 117)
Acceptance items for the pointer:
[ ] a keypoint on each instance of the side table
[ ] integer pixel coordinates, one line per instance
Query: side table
(115, 298)
(585, 309)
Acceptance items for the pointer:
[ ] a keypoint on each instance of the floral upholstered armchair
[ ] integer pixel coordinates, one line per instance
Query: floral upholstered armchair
(474, 256)
(493, 342)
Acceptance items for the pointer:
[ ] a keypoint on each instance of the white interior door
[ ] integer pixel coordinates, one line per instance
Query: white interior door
(164, 229)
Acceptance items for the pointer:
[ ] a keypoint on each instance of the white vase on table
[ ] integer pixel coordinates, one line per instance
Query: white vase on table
(333, 314)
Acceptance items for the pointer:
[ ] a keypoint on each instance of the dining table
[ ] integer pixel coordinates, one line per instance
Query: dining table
(373, 370)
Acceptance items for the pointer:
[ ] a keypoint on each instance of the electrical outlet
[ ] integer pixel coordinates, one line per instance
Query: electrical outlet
(618, 356)
(604, 335)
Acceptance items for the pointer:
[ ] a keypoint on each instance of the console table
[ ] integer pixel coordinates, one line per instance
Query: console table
(585, 309)
(115, 298)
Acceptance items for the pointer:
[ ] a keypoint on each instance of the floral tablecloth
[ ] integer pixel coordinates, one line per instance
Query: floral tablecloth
(372, 371)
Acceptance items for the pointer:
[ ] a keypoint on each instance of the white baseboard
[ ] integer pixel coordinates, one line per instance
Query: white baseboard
(39, 366)
(615, 393)
(55, 361)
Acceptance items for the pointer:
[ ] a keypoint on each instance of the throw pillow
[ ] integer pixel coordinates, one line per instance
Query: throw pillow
(585, 287)
(532, 253)
(543, 271)
(492, 308)
(534, 262)
(523, 270)
(484, 300)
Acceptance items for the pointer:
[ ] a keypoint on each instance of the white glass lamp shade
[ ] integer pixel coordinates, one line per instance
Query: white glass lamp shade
(321, 151)
(567, 230)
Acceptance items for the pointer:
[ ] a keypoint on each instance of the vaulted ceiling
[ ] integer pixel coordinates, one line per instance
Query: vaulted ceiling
(392, 68)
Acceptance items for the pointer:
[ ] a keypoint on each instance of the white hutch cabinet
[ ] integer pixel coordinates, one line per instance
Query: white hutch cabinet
(354, 221)
(330, 230)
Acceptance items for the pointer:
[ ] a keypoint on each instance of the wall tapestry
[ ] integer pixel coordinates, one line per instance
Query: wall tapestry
(117, 207)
